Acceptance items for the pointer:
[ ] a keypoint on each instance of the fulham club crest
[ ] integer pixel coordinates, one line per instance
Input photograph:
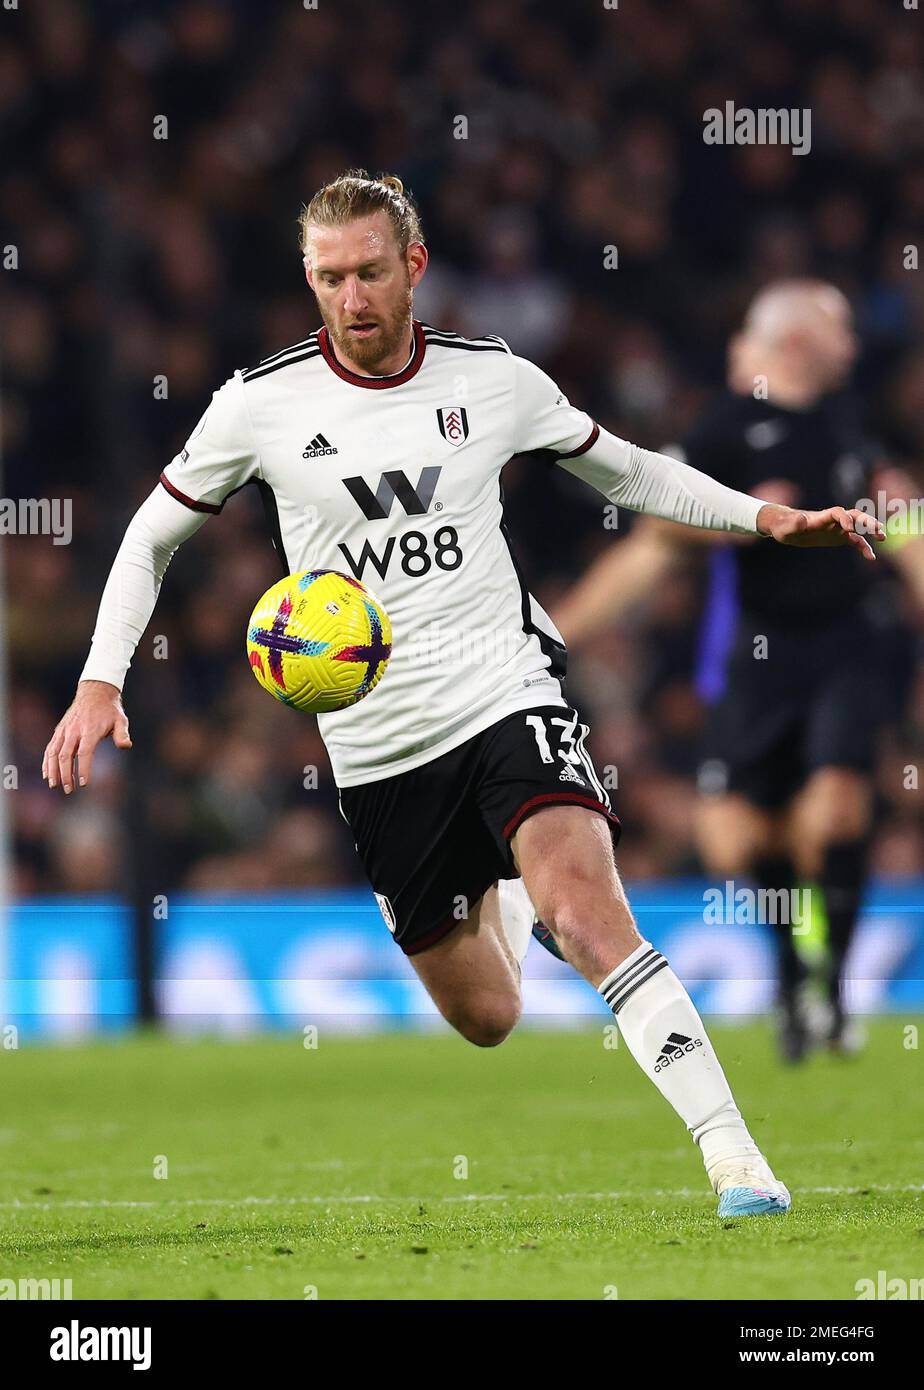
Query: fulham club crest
(453, 423)
(387, 911)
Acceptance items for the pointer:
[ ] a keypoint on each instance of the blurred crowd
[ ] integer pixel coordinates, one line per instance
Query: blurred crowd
(156, 158)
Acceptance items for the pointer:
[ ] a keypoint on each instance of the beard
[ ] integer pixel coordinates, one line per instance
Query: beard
(392, 336)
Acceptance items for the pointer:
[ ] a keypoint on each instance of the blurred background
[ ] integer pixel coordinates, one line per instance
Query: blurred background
(144, 260)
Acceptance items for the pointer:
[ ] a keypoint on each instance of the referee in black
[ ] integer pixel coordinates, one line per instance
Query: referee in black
(803, 657)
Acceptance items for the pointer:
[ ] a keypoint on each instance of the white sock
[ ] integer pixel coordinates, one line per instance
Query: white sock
(666, 1037)
(517, 914)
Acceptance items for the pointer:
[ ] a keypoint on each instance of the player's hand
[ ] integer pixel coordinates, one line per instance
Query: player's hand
(96, 711)
(833, 526)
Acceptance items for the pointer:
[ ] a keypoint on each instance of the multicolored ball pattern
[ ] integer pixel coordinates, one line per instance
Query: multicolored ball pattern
(319, 641)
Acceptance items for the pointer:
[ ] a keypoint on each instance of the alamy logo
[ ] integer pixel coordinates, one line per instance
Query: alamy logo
(453, 423)
(884, 1287)
(743, 125)
(676, 1046)
(318, 447)
(36, 1288)
(376, 506)
(76, 1343)
(898, 516)
(747, 907)
(37, 516)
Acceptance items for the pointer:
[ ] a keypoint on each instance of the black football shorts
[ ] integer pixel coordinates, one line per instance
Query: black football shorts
(434, 839)
(818, 698)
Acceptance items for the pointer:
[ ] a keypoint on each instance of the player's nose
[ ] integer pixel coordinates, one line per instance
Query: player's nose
(354, 299)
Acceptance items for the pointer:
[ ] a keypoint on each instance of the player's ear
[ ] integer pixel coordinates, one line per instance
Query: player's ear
(307, 264)
(417, 257)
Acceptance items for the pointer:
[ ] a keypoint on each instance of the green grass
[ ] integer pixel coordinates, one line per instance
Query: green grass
(334, 1168)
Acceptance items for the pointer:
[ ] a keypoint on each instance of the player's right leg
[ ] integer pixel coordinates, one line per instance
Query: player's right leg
(551, 818)
(565, 855)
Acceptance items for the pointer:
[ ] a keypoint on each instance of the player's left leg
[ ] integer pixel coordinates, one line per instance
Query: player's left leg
(565, 856)
(473, 975)
(830, 826)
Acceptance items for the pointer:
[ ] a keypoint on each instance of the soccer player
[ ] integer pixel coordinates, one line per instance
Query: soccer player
(794, 652)
(378, 443)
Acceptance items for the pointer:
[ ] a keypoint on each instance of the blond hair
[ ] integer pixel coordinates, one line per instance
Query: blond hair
(355, 194)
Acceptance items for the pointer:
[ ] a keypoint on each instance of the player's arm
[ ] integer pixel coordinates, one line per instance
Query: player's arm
(219, 457)
(622, 577)
(665, 487)
(775, 490)
(661, 486)
(626, 573)
(159, 526)
(631, 569)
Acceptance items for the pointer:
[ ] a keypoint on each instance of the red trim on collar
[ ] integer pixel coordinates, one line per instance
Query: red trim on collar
(375, 383)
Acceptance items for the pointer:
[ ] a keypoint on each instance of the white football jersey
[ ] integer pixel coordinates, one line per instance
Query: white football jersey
(396, 481)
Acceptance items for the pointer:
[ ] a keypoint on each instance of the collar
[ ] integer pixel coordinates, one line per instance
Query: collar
(376, 383)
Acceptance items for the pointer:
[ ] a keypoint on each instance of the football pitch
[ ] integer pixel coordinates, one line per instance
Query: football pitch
(418, 1167)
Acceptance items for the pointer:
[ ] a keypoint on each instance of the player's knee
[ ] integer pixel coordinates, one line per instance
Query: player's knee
(727, 860)
(847, 818)
(834, 808)
(731, 838)
(726, 854)
(487, 1024)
